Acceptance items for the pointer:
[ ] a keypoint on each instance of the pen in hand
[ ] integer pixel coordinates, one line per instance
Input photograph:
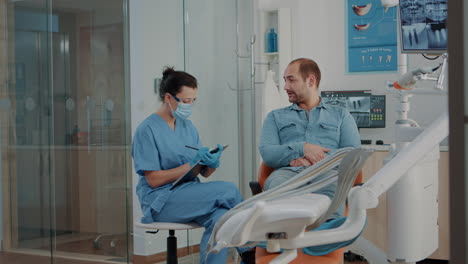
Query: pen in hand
(190, 147)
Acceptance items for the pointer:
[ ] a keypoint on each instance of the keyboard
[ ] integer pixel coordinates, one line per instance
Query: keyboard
(366, 141)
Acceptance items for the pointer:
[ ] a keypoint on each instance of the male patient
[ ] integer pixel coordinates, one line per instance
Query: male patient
(303, 133)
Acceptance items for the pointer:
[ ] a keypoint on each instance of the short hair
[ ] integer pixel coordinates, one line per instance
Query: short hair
(308, 67)
(172, 82)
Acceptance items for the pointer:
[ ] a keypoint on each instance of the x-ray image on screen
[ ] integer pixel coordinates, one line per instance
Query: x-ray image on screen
(358, 104)
(367, 110)
(362, 119)
(359, 107)
(338, 101)
(423, 25)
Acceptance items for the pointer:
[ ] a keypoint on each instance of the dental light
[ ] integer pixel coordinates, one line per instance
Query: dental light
(408, 80)
(403, 88)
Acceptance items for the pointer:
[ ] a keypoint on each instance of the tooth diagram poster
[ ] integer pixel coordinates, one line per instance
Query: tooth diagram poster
(371, 36)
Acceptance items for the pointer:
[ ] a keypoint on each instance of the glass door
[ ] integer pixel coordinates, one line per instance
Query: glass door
(200, 37)
(66, 134)
(216, 52)
(28, 125)
(216, 35)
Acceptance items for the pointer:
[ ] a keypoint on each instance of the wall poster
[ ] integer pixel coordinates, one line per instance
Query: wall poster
(372, 36)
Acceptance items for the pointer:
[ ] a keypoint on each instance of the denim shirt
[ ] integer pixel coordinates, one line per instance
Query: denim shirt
(286, 130)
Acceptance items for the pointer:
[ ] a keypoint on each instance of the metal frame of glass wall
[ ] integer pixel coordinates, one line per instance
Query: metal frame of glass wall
(458, 121)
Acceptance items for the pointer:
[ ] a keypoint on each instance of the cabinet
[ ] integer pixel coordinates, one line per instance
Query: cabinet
(280, 20)
(376, 229)
(269, 92)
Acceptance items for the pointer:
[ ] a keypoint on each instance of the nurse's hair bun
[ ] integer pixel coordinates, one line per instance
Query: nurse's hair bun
(172, 82)
(167, 72)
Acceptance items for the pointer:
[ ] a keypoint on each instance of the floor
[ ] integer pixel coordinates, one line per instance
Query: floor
(21, 258)
(83, 243)
(111, 246)
(194, 260)
(77, 248)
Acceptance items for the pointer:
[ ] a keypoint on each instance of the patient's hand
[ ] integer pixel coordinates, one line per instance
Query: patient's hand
(299, 162)
(314, 153)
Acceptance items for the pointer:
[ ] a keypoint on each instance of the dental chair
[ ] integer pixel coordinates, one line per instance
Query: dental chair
(262, 256)
(283, 215)
(279, 217)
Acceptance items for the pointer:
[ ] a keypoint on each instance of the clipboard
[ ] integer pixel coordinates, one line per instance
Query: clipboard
(196, 169)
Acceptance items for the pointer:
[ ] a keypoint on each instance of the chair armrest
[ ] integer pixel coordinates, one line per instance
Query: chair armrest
(255, 187)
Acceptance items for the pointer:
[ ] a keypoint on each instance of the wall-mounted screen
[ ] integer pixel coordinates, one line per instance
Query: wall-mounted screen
(367, 109)
(423, 26)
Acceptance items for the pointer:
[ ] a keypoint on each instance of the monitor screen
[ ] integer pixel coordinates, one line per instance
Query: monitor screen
(423, 26)
(367, 109)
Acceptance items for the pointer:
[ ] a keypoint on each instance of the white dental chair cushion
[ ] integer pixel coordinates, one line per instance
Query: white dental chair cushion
(288, 215)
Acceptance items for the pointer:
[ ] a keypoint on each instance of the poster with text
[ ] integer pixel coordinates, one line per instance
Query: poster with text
(372, 36)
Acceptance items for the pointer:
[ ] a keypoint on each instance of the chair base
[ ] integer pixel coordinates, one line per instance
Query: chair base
(171, 248)
(171, 257)
(154, 228)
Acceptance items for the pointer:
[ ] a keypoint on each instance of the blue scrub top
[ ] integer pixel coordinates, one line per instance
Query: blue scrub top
(157, 147)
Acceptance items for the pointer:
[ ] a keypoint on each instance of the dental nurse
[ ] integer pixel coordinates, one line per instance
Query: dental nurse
(160, 157)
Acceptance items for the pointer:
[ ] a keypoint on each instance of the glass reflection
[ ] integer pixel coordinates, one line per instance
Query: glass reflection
(67, 147)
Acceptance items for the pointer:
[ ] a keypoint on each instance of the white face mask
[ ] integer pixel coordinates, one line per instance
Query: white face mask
(183, 111)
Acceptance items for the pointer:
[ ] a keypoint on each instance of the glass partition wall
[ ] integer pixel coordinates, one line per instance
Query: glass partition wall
(217, 36)
(65, 115)
(64, 129)
(212, 36)
(200, 37)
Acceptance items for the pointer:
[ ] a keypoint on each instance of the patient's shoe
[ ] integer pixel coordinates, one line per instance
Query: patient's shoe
(248, 257)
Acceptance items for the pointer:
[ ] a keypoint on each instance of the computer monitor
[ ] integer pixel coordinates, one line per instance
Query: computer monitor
(367, 109)
(423, 26)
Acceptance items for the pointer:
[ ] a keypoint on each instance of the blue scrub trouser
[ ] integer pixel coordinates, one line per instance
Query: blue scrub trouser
(203, 203)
